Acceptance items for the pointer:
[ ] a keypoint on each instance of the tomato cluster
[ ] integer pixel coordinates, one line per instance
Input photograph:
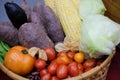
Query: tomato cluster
(64, 64)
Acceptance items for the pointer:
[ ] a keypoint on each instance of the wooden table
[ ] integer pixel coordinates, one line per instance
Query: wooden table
(113, 73)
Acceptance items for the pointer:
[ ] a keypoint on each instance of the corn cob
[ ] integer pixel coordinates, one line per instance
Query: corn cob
(51, 4)
(69, 18)
(76, 3)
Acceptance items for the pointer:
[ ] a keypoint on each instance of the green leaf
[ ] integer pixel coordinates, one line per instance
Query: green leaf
(91, 7)
(2, 49)
(99, 34)
(5, 45)
(1, 60)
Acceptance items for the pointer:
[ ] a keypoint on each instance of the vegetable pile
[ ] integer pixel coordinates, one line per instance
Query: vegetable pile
(56, 40)
(61, 65)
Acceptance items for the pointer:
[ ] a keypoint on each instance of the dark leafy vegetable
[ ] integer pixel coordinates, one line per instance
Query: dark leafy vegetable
(4, 47)
(1, 59)
(15, 13)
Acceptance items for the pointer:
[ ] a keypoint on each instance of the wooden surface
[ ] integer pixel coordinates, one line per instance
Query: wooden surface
(113, 9)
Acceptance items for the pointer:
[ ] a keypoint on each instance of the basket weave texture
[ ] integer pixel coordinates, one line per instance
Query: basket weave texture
(97, 73)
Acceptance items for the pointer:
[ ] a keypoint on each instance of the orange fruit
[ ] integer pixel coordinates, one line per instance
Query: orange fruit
(79, 57)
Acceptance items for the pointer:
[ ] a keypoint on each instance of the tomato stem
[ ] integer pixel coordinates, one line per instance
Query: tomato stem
(24, 51)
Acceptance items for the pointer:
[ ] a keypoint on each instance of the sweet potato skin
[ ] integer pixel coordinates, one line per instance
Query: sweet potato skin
(8, 33)
(39, 8)
(37, 19)
(31, 35)
(26, 8)
(53, 25)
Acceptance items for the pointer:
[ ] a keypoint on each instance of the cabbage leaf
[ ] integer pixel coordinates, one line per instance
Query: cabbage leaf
(88, 7)
(99, 34)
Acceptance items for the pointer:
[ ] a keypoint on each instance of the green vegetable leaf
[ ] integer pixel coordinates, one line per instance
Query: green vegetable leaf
(1, 60)
(90, 7)
(99, 34)
(5, 45)
(2, 49)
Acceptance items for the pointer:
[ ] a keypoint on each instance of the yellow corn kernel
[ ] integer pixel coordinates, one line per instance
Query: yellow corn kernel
(69, 17)
(76, 3)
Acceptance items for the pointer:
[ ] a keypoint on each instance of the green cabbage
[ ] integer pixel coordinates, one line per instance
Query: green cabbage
(88, 7)
(99, 34)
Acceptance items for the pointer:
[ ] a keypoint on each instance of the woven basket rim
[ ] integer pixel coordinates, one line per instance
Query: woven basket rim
(80, 77)
(94, 70)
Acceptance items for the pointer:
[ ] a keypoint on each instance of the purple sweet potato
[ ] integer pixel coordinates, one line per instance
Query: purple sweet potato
(39, 8)
(35, 18)
(53, 27)
(8, 33)
(26, 8)
(52, 23)
(31, 35)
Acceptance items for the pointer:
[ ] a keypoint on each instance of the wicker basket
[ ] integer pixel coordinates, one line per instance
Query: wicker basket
(97, 73)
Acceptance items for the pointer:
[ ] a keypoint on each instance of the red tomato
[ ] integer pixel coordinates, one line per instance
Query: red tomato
(46, 77)
(63, 60)
(71, 55)
(52, 67)
(62, 71)
(89, 63)
(73, 69)
(51, 54)
(40, 64)
(55, 78)
(43, 72)
(62, 53)
(81, 69)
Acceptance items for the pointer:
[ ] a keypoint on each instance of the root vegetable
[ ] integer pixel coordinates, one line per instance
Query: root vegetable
(53, 25)
(35, 18)
(26, 8)
(31, 35)
(8, 33)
